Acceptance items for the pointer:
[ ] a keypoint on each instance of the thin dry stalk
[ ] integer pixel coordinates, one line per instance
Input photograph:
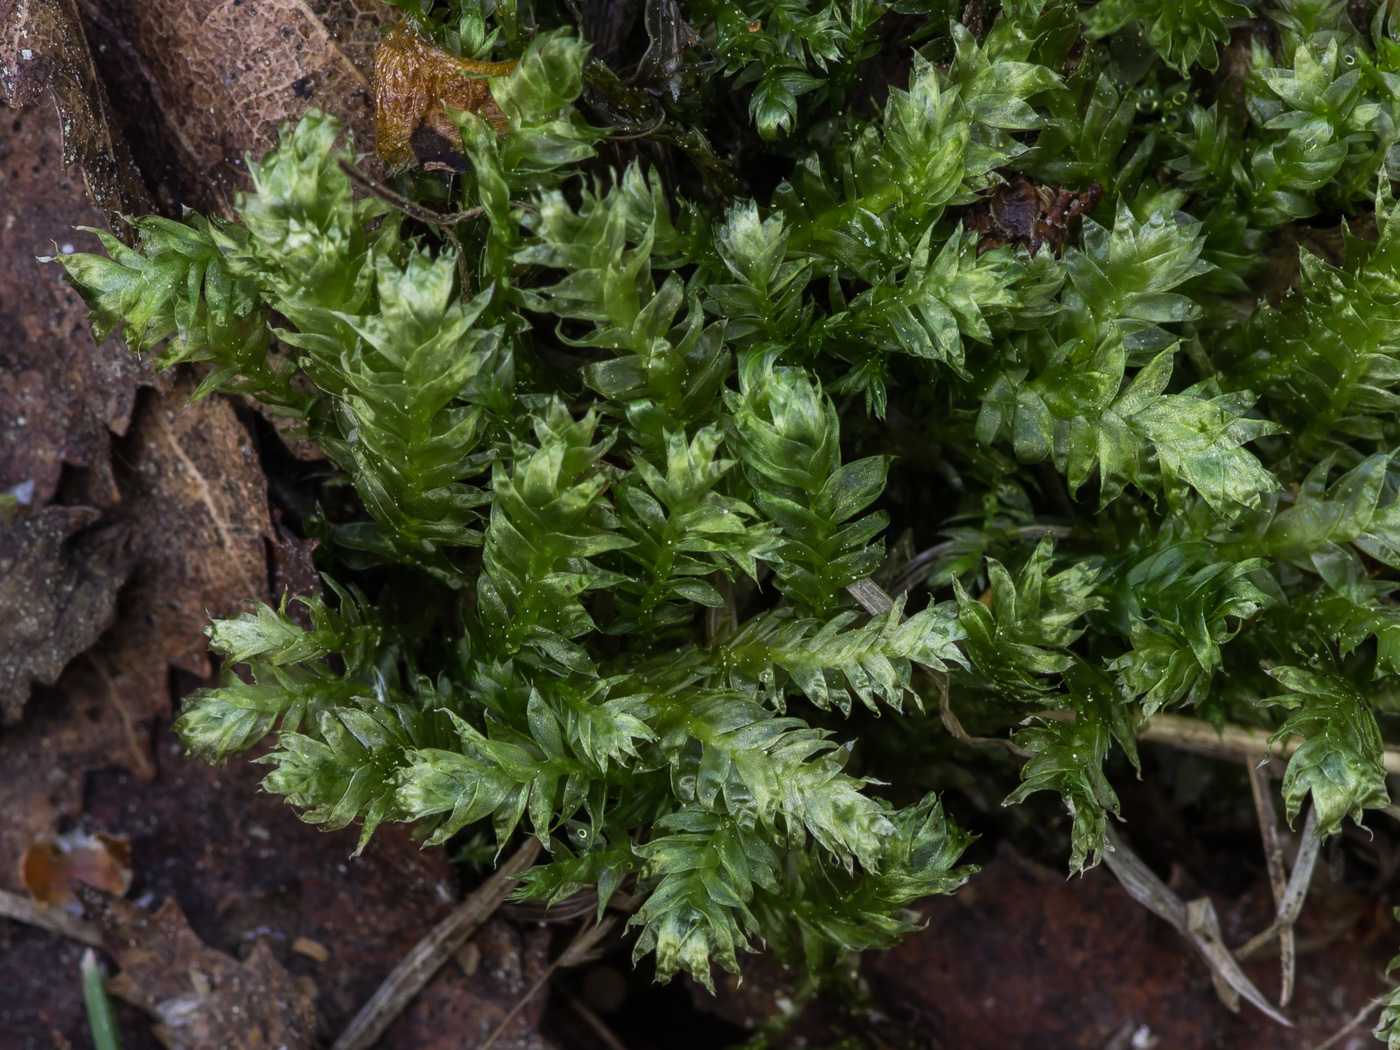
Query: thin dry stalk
(429, 954)
(580, 950)
(916, 570)
(1295, 893)
(408, 207)
(1278, 874)
(1233, 741)
(1356, 1022)
(22, 909)
(600, 1028)
(1196, 922)
(872, 598)
(955, 728)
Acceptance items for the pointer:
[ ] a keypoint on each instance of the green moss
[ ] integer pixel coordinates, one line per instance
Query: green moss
(644, 439)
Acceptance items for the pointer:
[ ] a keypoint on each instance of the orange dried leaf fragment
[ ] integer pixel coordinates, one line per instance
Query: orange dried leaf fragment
(414, 80)
(99, 860)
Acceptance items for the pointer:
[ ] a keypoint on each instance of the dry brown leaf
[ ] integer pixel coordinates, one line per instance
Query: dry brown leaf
(66, 731)
(225, 74)
(57, 595)
(43, 49)
(413, 78)
(103, 861)
(196, 499)
(59, 396)
(193, 500)
(201, 998)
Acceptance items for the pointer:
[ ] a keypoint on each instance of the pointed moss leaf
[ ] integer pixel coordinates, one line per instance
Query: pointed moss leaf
(1068, 757)
(788, 440)
(1340, 761)
(548, 520)
(829, 662)
(1014, 636)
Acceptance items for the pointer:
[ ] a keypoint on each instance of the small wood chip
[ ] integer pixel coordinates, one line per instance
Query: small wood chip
(469, 958)
(313, 950)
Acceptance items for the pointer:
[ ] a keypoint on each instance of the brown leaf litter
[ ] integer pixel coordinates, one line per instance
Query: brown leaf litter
(413, 78)
(224, 75)
(200, 997)
(43, 49)
(61, 400)
(57, 595)
(1022, 214)
(51, 864)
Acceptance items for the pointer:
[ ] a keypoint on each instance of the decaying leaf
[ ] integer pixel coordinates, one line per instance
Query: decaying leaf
(43, 48)
(196, 499)
(57, 594)
(225, 75)
(663, 68)
(61, 398)
(413, 80)
(201, 998)
(99, 860)
(1020, 213)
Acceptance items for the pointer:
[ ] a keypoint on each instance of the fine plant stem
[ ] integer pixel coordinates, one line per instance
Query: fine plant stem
(102, 1019)
(1356, 1022)
(599, 1026)
(580, 950)
(1231, 741)
(22, 909)
(1296, 891)
(873, 599)
(408, 207)
(955, 727)
(1195, 921)
(1278, 877)
(428, 956)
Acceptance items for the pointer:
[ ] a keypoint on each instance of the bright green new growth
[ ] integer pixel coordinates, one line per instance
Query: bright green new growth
(620, 476)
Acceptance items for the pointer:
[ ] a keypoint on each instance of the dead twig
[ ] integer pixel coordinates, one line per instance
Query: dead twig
(22, 909)
(600, 1028)
(1233, 741)
(580, 950)
(1296, 892)
(1195, 921)
(429, 954)
(1356, 1022)
(872, 598)
(408, 207)
(1278, 874)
